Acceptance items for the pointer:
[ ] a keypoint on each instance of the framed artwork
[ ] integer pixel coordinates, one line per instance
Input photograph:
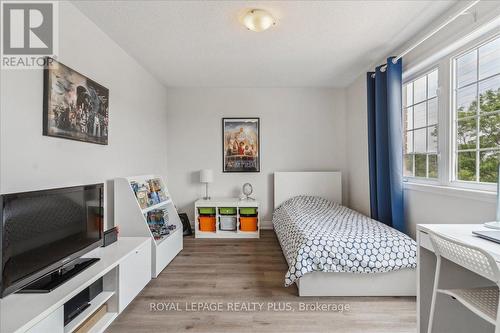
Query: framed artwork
(74, 106)
(241, 144)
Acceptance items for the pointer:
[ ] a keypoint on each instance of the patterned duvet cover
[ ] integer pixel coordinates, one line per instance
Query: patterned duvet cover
(319, 235)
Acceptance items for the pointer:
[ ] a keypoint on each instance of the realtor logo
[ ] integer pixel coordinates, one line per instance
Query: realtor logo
(28, 33)
(27, 28)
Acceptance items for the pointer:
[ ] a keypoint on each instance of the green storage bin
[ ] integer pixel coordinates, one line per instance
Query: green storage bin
(248, 210)
(227, 210)
(206, 210)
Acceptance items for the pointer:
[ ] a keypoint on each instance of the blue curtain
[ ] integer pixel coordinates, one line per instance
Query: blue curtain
(385, 144)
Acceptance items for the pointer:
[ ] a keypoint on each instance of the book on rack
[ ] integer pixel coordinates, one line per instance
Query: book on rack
(158, 223)
(149, 192)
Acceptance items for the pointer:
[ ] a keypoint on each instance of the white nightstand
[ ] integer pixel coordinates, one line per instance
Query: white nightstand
(238, 206)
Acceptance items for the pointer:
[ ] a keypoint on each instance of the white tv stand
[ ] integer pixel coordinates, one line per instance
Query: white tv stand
(125, 267)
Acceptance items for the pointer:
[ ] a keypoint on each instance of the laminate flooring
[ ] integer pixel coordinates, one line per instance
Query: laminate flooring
(236, 285)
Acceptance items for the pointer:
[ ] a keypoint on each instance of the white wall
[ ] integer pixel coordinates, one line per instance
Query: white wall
(357, 147)
(137, 130)
(301, 129)
(422, 205)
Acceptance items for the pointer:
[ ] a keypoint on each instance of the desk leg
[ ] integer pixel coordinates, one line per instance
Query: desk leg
(425, 283)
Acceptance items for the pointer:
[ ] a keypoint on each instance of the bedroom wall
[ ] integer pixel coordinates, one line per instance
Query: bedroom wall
(422, 204)
(357, 147)
(137, 130)
(302, 129)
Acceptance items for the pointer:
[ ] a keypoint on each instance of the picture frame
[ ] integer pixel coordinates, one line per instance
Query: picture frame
(75, 107)
(240, 144)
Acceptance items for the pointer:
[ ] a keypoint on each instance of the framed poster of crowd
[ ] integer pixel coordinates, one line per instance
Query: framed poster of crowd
(241, 144)
(74, 106)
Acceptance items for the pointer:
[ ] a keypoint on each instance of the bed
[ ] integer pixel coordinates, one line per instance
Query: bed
(332, 250)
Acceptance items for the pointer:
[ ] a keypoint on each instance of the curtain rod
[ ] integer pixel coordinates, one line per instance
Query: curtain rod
(432, 33)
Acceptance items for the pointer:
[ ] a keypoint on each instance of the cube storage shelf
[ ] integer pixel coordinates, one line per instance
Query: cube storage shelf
(227, 218)
(133, 215)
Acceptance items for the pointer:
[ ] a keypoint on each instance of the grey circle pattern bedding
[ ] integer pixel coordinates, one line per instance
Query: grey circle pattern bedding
(316, 234)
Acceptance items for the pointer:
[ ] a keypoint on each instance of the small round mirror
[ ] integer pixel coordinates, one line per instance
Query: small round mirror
(247, 190)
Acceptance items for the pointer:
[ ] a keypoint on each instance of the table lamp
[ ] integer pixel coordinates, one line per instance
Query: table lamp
(206, 177)
(496, 223)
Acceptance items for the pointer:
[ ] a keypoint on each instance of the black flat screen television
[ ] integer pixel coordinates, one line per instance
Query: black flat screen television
(42, 231)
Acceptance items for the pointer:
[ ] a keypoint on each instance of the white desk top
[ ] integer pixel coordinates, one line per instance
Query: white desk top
(21, 311)
(463, 233)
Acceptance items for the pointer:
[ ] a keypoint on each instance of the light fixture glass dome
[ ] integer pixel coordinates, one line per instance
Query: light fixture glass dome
(258, 20)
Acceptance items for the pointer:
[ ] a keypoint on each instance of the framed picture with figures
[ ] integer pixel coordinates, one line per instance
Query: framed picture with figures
(241, 144)
(74, 106)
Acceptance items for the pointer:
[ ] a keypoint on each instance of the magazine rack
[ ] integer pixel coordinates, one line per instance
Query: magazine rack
(139, 216)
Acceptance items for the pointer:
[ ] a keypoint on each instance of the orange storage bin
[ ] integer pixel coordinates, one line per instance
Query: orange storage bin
(207, 223)
(248, 223)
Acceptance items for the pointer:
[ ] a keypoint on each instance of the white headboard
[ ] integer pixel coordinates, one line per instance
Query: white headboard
(323, 184)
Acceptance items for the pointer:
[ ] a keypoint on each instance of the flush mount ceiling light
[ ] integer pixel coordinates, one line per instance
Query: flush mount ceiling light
(258, 20)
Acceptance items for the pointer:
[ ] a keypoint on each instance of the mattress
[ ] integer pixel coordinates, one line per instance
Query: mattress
(316, 234)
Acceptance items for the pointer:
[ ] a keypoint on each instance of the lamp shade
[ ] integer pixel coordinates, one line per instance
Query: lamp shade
(206, 176)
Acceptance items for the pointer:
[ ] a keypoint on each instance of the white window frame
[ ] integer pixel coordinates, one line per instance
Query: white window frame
(446, 121)
(416, 76)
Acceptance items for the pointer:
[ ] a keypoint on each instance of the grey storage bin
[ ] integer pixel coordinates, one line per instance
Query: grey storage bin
(228, 223)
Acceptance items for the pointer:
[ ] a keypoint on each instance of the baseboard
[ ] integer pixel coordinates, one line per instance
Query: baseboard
(266, 225)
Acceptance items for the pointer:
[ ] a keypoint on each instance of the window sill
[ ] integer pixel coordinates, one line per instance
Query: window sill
(478, 195)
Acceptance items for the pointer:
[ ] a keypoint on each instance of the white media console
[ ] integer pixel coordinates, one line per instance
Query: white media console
(125, 267)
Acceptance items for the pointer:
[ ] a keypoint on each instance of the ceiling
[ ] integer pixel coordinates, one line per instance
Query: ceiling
(315, 43)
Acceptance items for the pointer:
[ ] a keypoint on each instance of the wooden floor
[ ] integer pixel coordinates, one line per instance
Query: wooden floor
(233, 273)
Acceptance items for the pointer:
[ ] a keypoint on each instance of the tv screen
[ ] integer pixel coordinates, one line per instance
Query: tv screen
(43, 230)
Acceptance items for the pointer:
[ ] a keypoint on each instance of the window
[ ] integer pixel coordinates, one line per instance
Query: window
(476, 104)
(420, 126)
(451, 117)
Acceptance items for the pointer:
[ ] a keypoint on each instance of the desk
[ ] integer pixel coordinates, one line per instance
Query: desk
(450, 316)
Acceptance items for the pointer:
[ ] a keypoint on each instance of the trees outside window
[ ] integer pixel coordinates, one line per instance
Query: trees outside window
(477, 114)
